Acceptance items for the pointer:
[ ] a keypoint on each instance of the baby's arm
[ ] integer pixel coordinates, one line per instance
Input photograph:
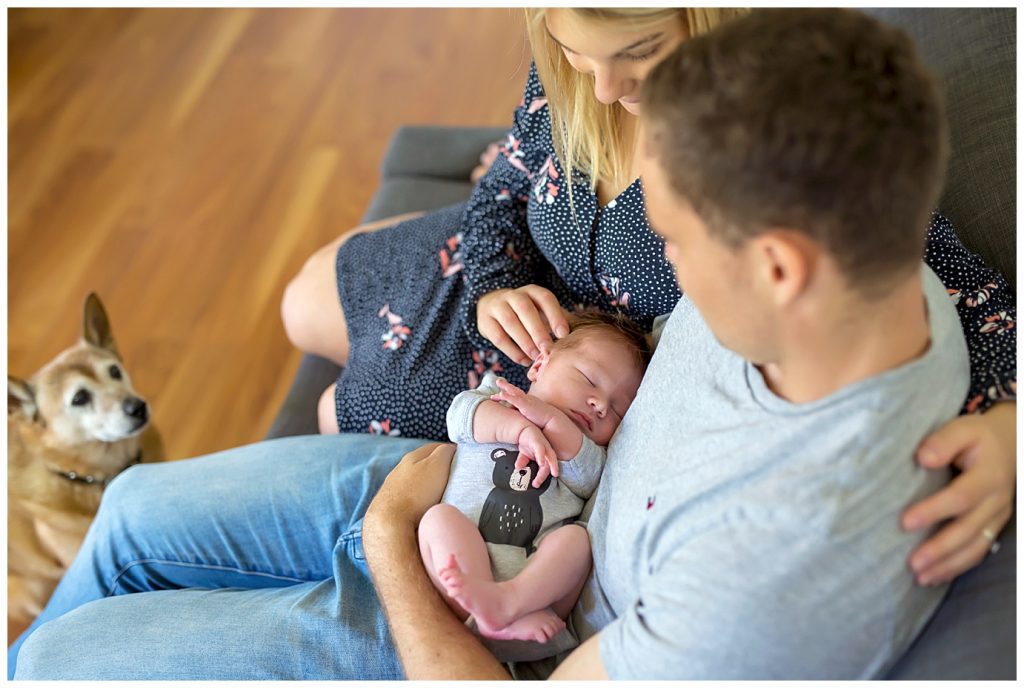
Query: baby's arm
(565, 437)
(493, 422)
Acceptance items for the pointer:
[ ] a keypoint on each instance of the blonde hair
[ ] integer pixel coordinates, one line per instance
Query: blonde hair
(586, 133)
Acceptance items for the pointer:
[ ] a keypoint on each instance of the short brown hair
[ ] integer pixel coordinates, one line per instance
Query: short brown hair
(589, 321)
(820, 120)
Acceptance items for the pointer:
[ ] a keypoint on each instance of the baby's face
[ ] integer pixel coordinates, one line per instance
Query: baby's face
(593, 383)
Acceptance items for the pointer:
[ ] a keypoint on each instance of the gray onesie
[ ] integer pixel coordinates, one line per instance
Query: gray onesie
(511, 514)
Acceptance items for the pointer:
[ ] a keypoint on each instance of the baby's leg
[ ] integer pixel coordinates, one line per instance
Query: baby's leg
(445, 531)
(553, 577)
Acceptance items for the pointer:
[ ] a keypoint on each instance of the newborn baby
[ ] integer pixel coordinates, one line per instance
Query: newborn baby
(502, 547)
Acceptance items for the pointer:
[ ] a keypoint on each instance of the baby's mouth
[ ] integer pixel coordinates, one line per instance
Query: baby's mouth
(583, 421)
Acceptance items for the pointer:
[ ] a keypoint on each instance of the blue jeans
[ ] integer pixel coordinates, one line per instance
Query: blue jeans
(245, 564)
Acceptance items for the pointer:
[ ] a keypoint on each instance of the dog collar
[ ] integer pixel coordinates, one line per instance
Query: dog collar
(93, 480)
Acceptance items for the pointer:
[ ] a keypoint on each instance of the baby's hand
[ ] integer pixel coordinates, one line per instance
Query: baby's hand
(534, 445)
(533, 409)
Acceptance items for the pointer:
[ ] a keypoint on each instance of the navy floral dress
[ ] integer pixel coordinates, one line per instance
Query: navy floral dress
(409, 292)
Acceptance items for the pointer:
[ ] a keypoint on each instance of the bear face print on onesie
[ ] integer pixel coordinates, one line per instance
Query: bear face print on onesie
(512, 513)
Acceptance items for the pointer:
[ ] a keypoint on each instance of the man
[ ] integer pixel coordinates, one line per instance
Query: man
(748, 527)
(747, 521)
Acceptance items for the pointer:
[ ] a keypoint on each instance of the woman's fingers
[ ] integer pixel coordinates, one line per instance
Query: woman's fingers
(968, 555)
(552, 310)
(494, 332)
(957, 534)
(954, 439)
(959, 496)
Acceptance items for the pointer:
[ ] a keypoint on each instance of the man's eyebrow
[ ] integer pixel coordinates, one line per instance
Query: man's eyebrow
(632, 46)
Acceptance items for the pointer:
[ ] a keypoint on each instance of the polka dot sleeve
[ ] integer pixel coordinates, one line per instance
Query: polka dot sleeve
(497, 248)
(988, 315)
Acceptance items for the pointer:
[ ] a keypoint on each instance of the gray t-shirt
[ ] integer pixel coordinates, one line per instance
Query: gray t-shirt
(738, 535)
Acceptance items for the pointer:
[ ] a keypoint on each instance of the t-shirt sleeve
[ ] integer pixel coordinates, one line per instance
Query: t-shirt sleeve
(582, 472)
(807, 609)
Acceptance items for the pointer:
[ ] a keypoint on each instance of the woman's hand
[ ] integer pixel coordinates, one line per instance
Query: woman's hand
(979, 501)
(416, 484)
(520, 321)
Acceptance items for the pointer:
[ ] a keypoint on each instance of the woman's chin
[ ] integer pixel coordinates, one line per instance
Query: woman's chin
(632, 108)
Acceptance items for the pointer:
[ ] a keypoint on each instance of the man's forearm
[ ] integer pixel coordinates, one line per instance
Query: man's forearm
(431, 642)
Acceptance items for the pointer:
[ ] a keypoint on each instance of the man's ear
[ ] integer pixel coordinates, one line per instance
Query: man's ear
(21, 398)
(785, 264)
(535, 368)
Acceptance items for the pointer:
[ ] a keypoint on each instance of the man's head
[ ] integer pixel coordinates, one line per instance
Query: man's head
(592, 374)
(785, 148)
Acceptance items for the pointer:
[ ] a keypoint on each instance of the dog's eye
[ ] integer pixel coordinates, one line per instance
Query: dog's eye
(115, 372)
(81, 398)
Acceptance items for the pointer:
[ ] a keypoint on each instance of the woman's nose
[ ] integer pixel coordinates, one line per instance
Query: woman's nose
(609, 85)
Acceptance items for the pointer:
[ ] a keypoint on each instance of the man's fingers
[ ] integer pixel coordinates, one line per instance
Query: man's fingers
(953, 440)
(553, 311)
(953, 500)
(421, 453)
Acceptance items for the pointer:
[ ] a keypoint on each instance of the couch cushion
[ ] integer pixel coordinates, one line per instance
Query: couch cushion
(973, 635)
(443, 152)
(974, 52)
(402, 194)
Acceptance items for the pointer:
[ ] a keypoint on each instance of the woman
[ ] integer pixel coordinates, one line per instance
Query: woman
(539, 235)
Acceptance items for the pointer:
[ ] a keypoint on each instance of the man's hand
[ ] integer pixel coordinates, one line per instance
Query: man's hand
(416, 484)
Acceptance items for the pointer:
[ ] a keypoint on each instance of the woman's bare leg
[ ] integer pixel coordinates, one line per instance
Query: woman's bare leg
(327, 412)
(310, 309)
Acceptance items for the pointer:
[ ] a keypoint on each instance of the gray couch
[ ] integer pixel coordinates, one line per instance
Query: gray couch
(973, 635)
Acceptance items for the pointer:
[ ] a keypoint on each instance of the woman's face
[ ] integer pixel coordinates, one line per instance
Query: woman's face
(619, 59)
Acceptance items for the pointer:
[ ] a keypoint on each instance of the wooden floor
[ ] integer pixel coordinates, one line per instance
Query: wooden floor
(184, 163)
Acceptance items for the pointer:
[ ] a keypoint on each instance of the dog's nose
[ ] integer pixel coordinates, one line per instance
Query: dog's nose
(136, 408)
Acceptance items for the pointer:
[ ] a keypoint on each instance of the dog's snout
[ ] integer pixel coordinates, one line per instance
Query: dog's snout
(522, 471)
(136, 408)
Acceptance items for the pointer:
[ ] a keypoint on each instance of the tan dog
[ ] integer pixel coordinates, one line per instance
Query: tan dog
(71, 429)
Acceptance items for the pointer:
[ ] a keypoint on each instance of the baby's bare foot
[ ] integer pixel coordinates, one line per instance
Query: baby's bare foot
(484, 599)
(541, 626)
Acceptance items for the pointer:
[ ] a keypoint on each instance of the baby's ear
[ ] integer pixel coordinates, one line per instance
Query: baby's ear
(535, 368)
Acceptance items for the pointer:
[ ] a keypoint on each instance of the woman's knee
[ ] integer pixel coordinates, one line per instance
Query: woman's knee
(327, 413)
(311, 310)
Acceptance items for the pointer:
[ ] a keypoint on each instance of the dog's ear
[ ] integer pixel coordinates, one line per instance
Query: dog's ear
(96, 326)
(21, 398)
